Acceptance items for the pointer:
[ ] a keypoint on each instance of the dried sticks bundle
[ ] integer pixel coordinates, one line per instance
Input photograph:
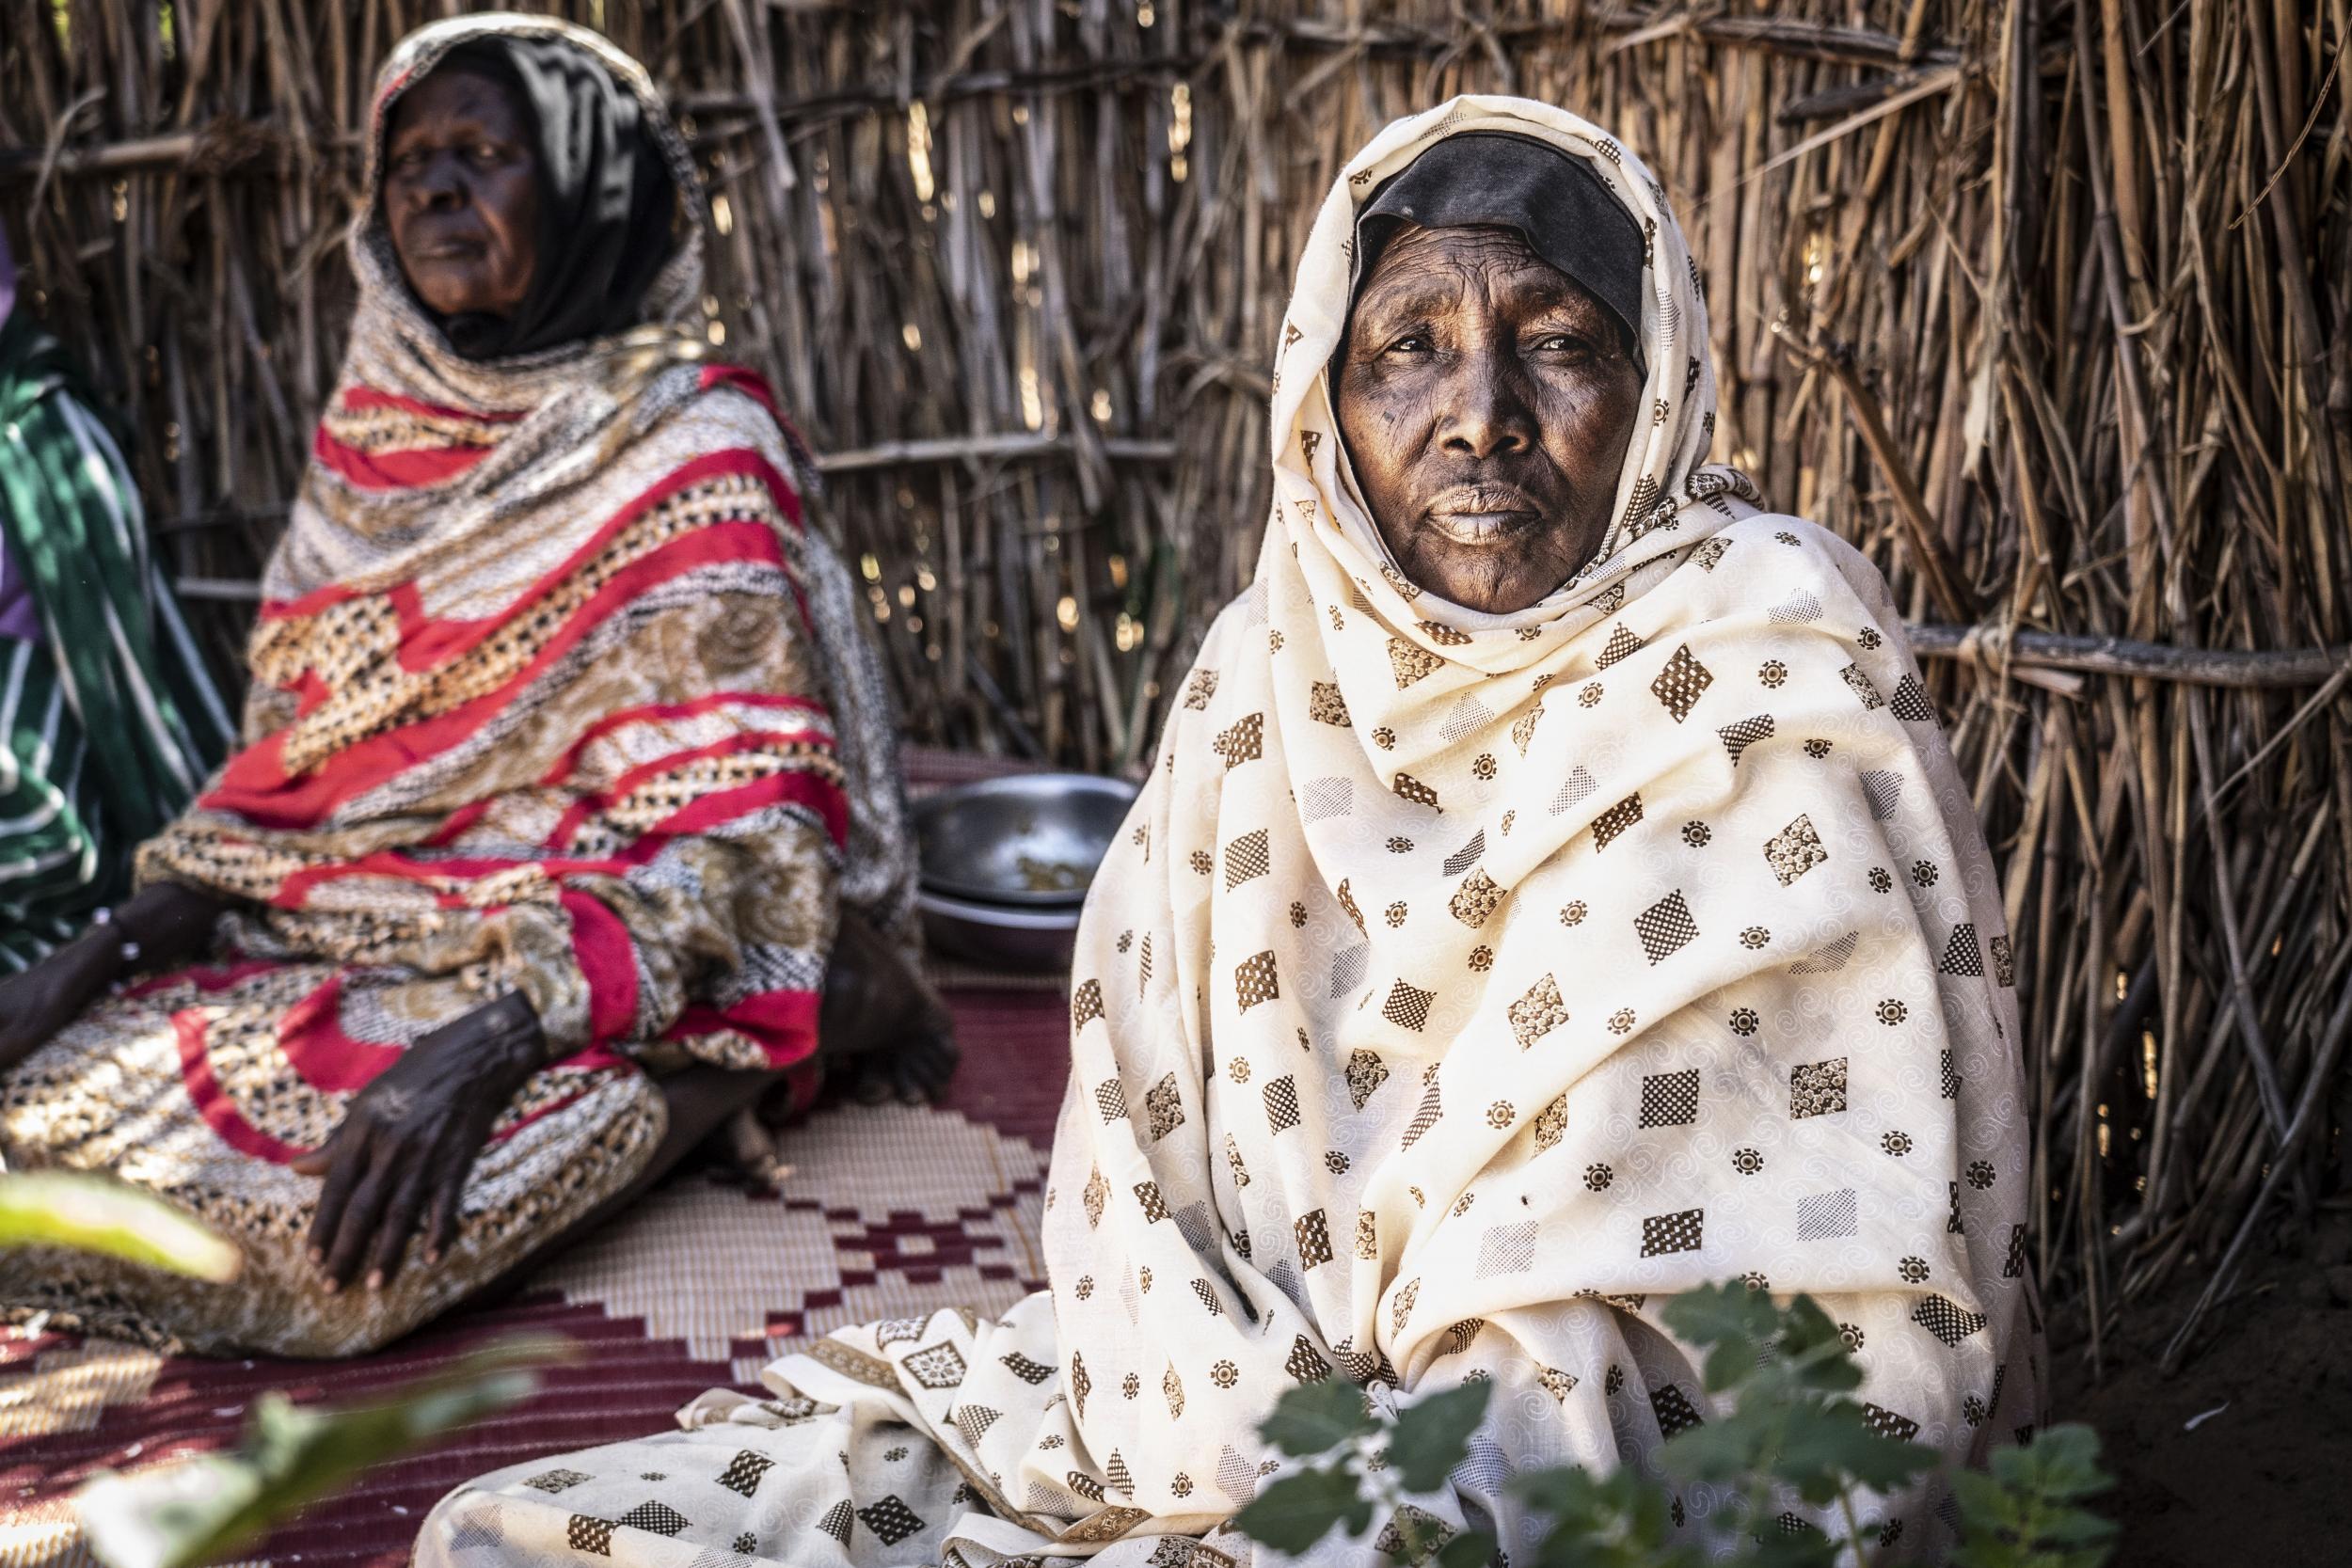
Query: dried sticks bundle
(2045, 304)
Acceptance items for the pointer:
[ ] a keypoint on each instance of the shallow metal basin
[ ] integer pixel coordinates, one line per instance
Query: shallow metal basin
(1027, 842)
(1032, 941)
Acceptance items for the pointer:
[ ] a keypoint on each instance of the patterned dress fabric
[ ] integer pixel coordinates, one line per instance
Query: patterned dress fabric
(553, 692)
(1464, 986)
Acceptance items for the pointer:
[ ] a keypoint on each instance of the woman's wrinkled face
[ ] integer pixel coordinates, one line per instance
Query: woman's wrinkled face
(461, 193)
(1485, 399)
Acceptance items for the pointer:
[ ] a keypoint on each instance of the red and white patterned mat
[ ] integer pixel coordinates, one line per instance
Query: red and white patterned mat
(888, 1212)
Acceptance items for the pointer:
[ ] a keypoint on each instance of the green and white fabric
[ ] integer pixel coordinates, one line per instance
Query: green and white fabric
(108, 720)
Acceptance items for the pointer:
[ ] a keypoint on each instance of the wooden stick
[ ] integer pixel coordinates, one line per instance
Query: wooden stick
(992, 448)
(228, 142)
(2244, 669)
(1936, 566)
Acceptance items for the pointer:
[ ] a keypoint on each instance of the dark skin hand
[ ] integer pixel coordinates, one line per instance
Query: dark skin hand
(461, 193)
(399, 1160)
(171, 925)
(1485, 399)
(881, 1032)
(408, 1140)
(398, 1164)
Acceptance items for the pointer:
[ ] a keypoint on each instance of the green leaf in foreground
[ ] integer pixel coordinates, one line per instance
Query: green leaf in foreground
(1827, 1450)
(1784, 1426)
(1433, 1436)
(1615, 1521)
(1778, 1547)
(1314, 1417)
(2027, 1513)
(1737, 1323)
(180, 1515)
(1470, 1549)
(1817, 1447)
(90, 1213)
(1815, 1349)
(1290, 1515)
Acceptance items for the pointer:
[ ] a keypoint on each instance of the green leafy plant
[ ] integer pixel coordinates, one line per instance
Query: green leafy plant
(207, 1507)
(2028, 1509)
(1373, 1465)
(90, 1213)
(1792, 1432)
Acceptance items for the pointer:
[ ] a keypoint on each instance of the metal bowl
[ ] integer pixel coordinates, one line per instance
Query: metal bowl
(1028, 842)
(1035, 940)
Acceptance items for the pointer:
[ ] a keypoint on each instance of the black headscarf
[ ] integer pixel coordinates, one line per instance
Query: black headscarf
(608, 206)
(1499, 178)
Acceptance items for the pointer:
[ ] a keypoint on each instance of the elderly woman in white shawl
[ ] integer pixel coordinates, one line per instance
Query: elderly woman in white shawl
(1554, 892)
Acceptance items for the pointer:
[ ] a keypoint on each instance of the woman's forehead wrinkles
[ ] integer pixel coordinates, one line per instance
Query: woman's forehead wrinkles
(1425, 292)
(1480, 245)
(456, 127)
(470, 102)
(1466, 252)
(1439, 282)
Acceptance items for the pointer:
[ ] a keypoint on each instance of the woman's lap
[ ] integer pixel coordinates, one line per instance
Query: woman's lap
(907, 1441)
(201, 1085)
(770, 1483)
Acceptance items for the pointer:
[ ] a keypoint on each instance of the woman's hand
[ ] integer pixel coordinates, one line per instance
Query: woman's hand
(167, 925)
(171, 924)
(34, 1005)
(408, 1140)
(882, 1031)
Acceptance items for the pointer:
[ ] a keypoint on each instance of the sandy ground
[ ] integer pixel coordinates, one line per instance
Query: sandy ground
(2262, 1482)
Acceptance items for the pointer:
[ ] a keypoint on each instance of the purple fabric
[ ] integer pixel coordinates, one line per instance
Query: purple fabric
(7, 276)
(20, 621)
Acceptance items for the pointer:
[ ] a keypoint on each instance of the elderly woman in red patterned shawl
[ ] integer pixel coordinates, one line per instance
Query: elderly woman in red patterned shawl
(567, 820)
